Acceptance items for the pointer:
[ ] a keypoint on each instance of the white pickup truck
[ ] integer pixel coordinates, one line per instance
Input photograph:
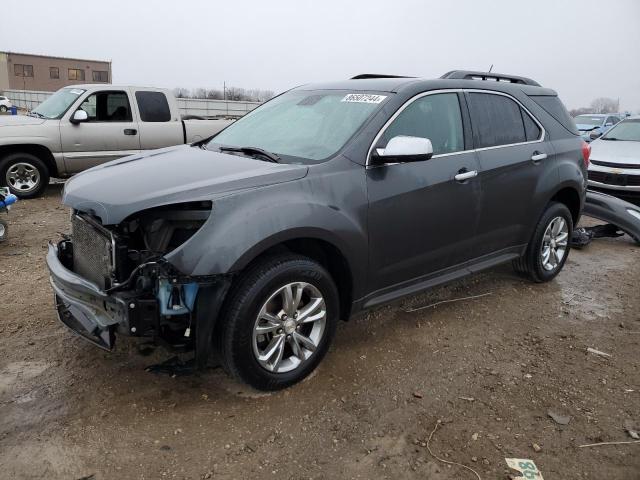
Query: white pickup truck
(82, 126)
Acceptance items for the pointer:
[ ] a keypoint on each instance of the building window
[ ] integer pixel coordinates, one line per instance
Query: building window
(100, 76)
(54, 72)
(76, 74)
(23, 70)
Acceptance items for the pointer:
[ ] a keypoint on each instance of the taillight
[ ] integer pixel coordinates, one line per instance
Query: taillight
(586, 151)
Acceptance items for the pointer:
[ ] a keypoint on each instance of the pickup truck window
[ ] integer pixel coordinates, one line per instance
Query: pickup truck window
(307, 124)
(57, 104)
(107, 107)
(153, 107)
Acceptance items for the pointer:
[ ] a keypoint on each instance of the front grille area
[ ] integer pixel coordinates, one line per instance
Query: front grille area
(620, 180)
(92, 252)
(616, 165)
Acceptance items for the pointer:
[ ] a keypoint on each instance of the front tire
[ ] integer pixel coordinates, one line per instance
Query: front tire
(3, 108)
(549, 246)
(279, 322)
(25, 174)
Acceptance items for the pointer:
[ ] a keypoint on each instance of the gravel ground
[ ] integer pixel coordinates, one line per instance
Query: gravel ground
(489, 369)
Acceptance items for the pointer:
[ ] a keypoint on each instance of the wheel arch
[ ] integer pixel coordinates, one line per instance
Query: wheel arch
(569, 196)
(315, 244)
(40, 151)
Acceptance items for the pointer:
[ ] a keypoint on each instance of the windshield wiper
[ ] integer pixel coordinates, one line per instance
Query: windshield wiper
(610, 138)
(37, 114)
(271, 157)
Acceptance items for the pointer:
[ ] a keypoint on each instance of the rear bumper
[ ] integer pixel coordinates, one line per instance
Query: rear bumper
(82, 306)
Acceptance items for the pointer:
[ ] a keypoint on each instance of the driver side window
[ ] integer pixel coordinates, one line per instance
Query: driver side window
(107, 107)
(436, 117)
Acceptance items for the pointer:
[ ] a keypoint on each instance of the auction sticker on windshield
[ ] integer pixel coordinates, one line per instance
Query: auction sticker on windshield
(363, 98)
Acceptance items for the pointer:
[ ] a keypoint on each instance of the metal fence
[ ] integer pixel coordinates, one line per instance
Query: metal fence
(28, 100)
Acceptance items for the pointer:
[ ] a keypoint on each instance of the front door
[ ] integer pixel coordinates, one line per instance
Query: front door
(110, 133)
(421, 219)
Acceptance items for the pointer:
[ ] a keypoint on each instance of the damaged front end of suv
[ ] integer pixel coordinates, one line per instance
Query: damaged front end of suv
(112, 280)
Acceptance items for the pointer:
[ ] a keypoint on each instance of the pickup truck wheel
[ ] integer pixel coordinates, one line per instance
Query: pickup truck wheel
(4, 229)
(549, 246)
(26, 175)
(279, 323)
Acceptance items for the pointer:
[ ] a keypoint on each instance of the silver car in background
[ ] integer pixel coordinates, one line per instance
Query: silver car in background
(615, 161)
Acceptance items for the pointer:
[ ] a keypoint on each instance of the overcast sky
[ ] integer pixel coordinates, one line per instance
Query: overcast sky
(583, 49)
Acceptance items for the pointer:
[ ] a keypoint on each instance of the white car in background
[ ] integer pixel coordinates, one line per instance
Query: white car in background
(5, 104)
(614, 166)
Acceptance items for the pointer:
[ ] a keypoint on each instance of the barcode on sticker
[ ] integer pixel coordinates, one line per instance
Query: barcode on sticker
(363, 98)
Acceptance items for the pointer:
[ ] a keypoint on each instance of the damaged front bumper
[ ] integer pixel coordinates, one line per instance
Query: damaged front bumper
(98, 315)
(81, 305)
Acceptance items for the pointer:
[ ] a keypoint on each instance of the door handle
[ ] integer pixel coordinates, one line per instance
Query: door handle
(464, 174)
(130, 131)
(537, 156)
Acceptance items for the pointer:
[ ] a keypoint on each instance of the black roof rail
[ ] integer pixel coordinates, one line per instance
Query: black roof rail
(498, 77)
(364, 76)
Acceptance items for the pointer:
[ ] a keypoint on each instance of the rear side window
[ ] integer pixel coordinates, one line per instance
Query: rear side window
(436, 117)
(554, 107)
(531, 128)
(153, 106)
(496, 119)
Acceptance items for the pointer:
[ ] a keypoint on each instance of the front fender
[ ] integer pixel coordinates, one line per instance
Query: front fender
(244, 225)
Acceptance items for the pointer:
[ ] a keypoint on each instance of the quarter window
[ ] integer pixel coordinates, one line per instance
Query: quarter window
(436, 117)
(497, 120)
(107, 107)
(153, 107)
(54, 72)
(531, 128)
(76, 74)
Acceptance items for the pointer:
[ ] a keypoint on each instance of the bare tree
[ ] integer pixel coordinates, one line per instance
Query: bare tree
(181, 92)
(580, 111)
(605, 105)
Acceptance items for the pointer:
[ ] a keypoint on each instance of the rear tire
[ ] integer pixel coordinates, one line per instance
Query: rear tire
(257, 321)
(549, 246)
(25, 174)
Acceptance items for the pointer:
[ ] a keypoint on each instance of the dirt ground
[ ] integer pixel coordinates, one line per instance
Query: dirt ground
(489, 368)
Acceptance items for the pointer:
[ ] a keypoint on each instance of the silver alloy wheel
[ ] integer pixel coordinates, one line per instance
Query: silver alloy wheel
(289, 327)
(3, 231)
(554, 243)
(23, 177)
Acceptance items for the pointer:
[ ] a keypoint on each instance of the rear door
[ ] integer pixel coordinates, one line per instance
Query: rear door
(421, 219)
(111, 131)
(159, 126)
(512, 153)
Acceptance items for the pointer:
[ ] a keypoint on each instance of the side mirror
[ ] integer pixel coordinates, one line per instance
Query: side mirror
(79, 116)
(593, 135)
(403, 149)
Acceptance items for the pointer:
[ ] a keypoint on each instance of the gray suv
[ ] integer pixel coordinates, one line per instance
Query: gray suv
(325, 201)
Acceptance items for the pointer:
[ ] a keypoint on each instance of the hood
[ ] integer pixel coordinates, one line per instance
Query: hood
(117, 189)
(19, 120)
(615, 151)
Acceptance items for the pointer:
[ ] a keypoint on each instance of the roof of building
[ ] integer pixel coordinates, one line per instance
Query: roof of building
(56, 57)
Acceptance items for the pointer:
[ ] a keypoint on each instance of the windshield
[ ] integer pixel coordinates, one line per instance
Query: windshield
(57, 104)
(588, 120)
(308, 125)
(628, 130)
